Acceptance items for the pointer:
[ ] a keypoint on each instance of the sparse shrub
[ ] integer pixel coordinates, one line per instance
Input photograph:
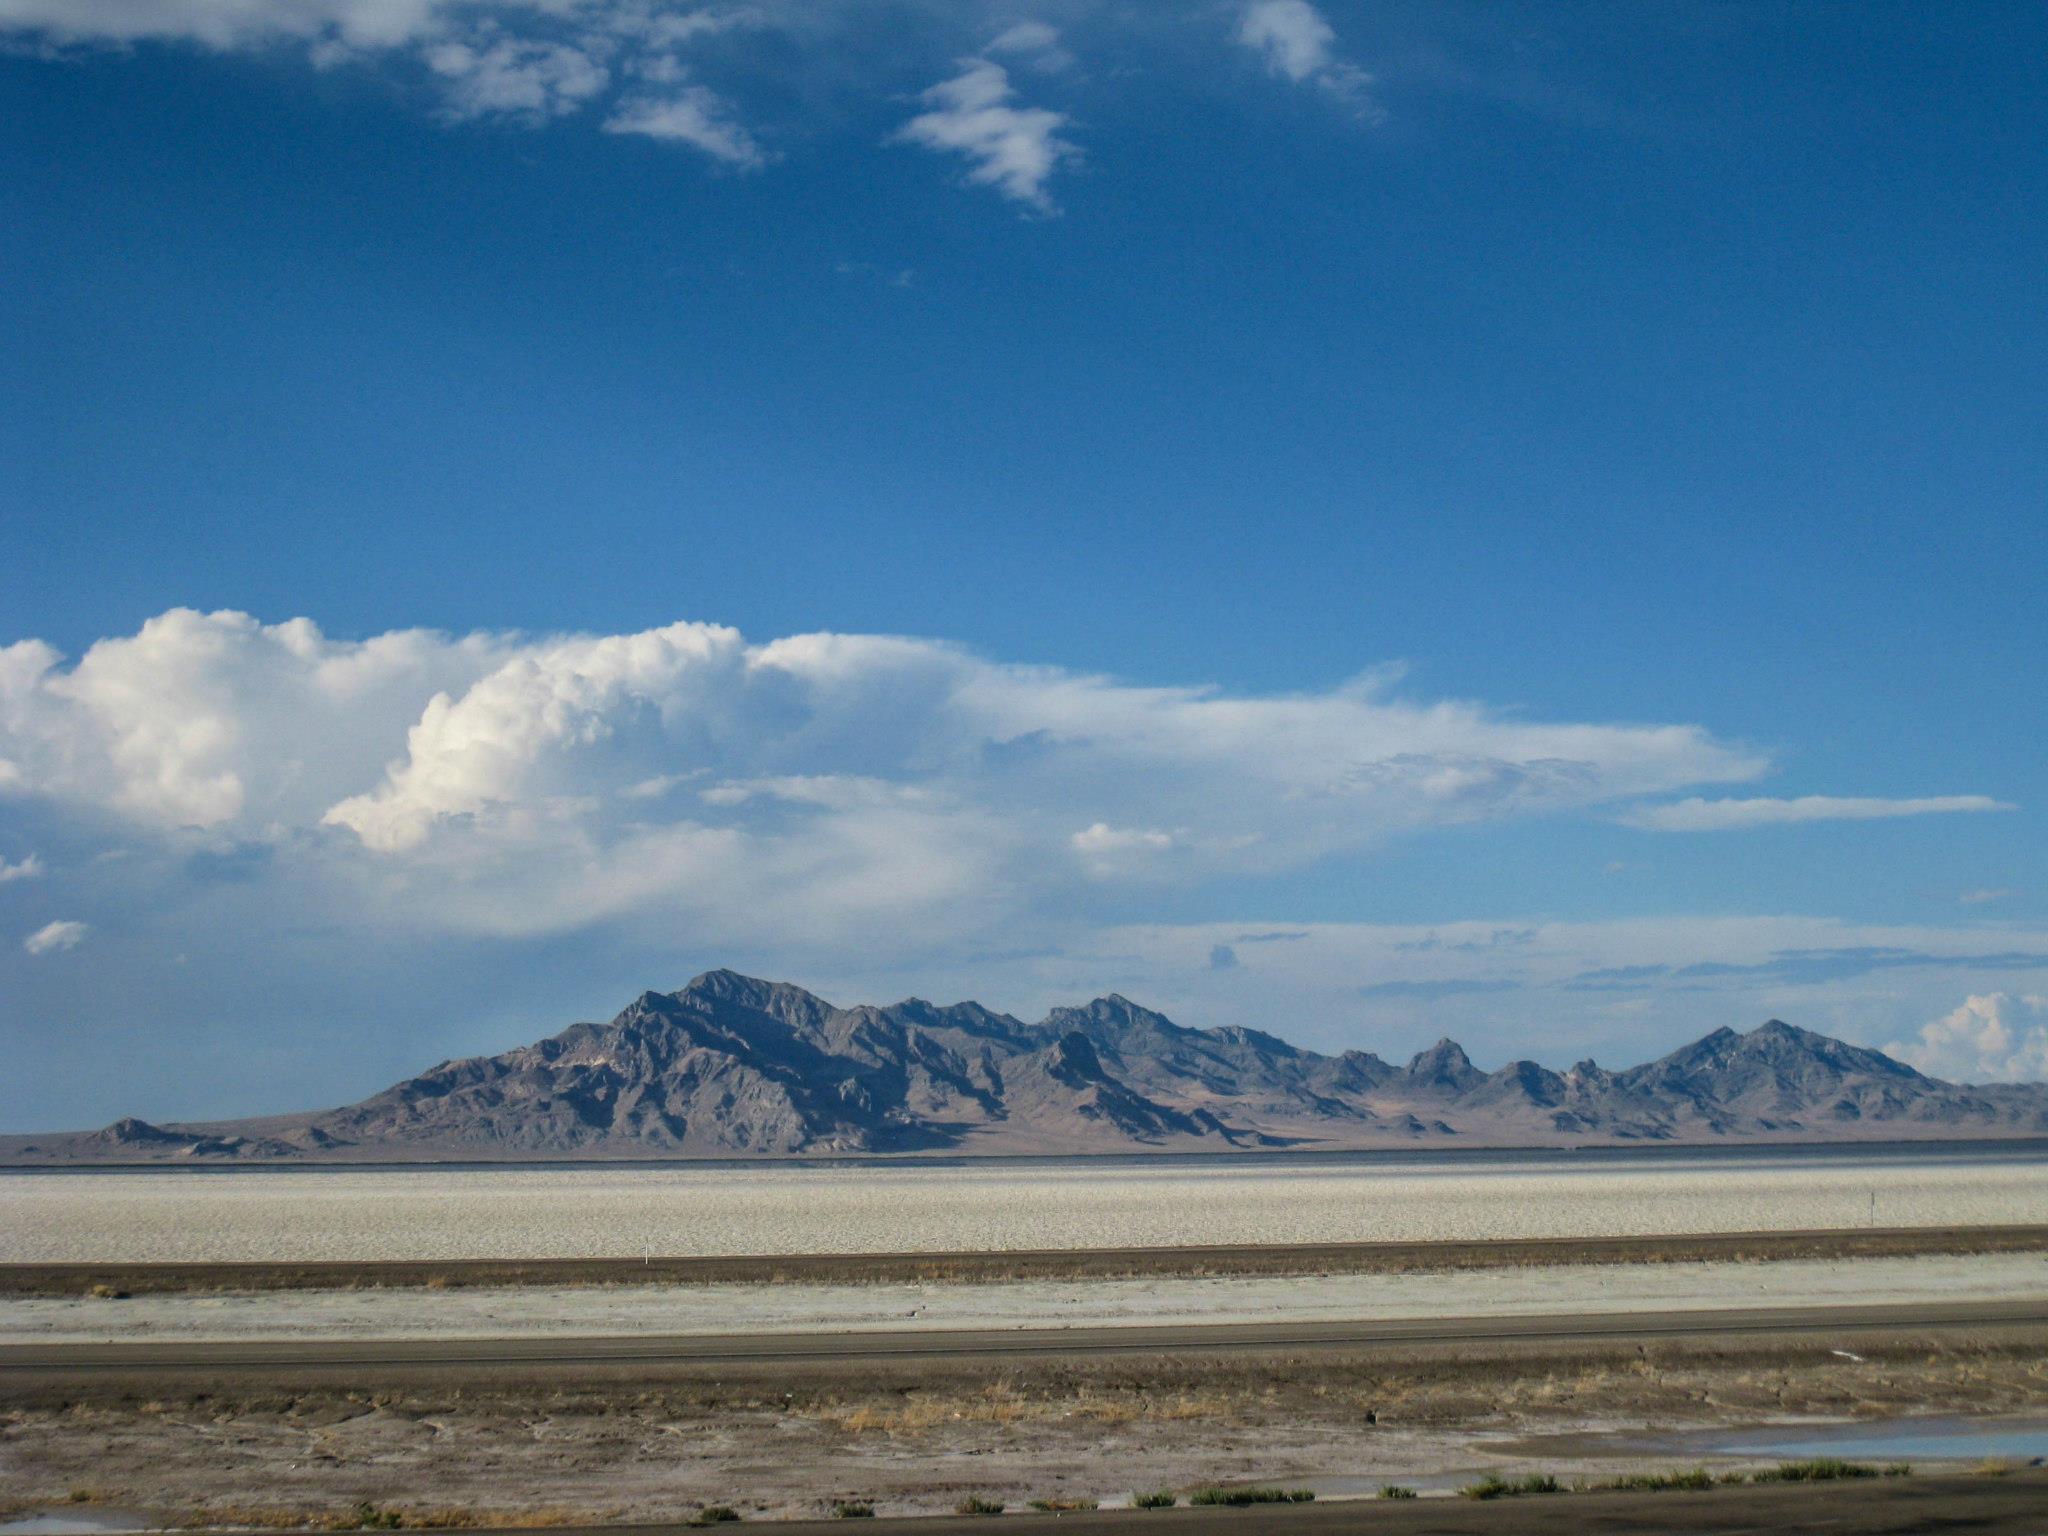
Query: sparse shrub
(1898, 1469)
(1058, 1506)
(1164, 1498)
(974, 1504)
(1242, 1496)
(715, 1514)
(368, 1517)
(1992, 1466)
(1494, 1486)
(1396, 1491)
(1657, 1482)
(852, 1511)
(1821, 1469)
(107, 1293)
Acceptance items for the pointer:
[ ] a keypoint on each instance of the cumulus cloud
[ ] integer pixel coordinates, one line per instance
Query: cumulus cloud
(1700, 815)
(510, 784)
(52, 937)
(1299, 45)
(22, 869)
(1011, 148)
(1992, 1037)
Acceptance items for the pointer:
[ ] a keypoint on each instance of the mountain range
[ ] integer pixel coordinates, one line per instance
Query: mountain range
(731, 1066)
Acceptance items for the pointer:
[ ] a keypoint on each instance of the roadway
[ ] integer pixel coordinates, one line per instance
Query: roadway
(21, 1361)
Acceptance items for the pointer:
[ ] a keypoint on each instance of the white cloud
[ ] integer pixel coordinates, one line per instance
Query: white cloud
(1984, 896)
(1035, 43)
(52, 937)
(1992, 1037)
(509, 78)
(1298, 45)
(1698, 815)
(1101, 837)
(693, 116)
(226, 24)
(519, 60)
(1013, 149)
(23, 869)
(1105, 850)
(506, 784)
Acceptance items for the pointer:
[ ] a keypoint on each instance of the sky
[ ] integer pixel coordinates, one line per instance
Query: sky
(1370, 521)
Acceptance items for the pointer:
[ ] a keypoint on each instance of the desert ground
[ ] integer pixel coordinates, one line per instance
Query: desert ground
(271, 1440)
(340, 1348)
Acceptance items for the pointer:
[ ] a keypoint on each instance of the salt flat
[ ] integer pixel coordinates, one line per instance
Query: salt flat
(469, 1213)
(617, 1310)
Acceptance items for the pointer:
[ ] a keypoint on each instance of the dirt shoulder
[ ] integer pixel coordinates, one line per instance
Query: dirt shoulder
(1042, 1264)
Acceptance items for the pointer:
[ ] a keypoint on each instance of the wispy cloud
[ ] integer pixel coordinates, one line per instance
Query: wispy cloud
(689, 115)
(22, 869)
(1034, 42)
(1806, 967)
(52, 937)
(1700, 815)
(1453, 987)
(1299, 45)
(1011, 148)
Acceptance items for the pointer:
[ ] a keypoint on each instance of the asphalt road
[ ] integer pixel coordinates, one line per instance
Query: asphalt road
(29, 1360)
(2012, 1505)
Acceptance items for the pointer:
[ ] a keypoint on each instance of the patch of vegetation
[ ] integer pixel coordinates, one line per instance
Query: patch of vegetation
(1898, 1469)
(369, 1517)
(1241, 1496)
(1494, 1486)
(1821, 1469)
(1396, 1491)
(1658, 1482)
(974, 1504)
(1056, 1506)
(1164, 1498)
(1993, 1466)
(715, 1514)
(853, 1511)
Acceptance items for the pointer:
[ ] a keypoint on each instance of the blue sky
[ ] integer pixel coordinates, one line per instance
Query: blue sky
(1388, 474)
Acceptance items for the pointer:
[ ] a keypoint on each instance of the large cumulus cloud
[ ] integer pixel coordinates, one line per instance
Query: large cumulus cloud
(525, 784)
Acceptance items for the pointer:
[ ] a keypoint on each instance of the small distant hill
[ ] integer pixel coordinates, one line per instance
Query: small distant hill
(731, 1066)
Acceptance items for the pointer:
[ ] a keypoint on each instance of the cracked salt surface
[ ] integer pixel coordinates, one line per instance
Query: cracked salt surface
(792, 1308)
(469, 1213)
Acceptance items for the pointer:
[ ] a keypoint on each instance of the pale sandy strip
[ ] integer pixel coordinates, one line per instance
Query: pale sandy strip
(715, 1309)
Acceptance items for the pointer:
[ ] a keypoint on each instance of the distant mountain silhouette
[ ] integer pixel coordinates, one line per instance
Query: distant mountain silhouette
(731, 1066)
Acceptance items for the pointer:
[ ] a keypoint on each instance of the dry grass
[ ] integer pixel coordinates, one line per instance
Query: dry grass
(1005, 1403)
(362, 1517)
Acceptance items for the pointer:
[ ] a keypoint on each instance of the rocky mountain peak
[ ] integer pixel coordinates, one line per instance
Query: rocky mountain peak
(1446, 1066)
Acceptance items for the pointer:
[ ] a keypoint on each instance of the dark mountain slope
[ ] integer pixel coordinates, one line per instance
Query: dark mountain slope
(733, 1066)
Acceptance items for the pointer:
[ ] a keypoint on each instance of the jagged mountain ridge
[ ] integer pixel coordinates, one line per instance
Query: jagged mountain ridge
(735, 1066)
